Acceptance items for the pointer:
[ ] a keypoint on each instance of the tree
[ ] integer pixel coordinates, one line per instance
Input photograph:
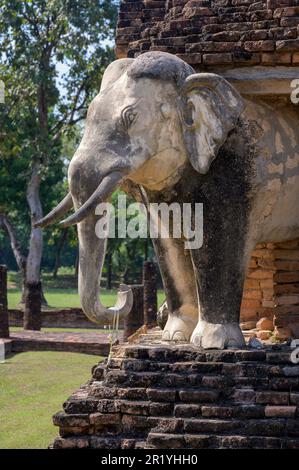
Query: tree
(39, 39)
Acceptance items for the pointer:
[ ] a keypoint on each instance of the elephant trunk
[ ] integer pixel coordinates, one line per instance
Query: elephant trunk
(92, 250)
(91, 259)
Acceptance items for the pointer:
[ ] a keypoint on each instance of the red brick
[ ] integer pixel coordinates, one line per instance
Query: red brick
(280, 411)
(288, 45)
(212, 59)
(253, 46)
(274, 59)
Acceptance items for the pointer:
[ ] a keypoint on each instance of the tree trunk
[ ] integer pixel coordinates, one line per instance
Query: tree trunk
(15, 246)
(33, 297)
(32, 312)
(4, 321)
(58, 251)
(77, 264)
(146, 249)
(20, 258)
(109, 272)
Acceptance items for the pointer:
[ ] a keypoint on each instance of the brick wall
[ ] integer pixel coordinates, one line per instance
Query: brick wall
(63, 318)
(271, 289)
(214, 32)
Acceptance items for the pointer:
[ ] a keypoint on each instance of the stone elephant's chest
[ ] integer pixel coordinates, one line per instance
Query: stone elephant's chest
(276, 208)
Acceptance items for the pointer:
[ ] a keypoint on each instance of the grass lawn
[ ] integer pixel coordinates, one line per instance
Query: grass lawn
(63, 298)
(33, 386)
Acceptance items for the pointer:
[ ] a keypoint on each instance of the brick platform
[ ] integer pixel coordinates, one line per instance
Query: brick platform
(87, 343)
(155, 396)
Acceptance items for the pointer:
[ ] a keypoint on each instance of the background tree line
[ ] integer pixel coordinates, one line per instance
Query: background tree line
(52, 57)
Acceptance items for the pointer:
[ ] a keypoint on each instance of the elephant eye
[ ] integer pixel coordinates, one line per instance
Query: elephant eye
(128, 117)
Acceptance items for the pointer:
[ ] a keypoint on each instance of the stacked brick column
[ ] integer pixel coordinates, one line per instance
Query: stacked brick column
(271, 289)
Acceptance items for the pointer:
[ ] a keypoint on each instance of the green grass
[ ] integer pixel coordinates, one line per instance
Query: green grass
(33, 386)
(63, 298)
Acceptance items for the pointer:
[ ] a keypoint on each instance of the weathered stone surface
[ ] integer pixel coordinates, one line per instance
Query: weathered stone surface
(203, 396)
(161, 394)
(274, 398)
(187, 411)
(280, 411)
(244, 400)
(102, 419)
(166, 441)
(210, 425)
(76, 420)
(210, 33)
(71, 443)
(217, 411)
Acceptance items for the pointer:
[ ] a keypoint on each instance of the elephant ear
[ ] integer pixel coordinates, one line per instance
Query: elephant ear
(210, 108)
(114, 71)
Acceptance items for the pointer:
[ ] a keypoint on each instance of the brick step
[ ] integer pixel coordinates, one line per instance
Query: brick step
(122, 378)
(206, 441)
(144, 445)
(189, 353)
(261, 427)
(97, 442)
(176, 397)
(127, 379)
(270, 427)
(234, 370)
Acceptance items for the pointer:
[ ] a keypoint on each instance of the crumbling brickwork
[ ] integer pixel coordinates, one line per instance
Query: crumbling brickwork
(212, 32)
(164, 397)
(271, 289)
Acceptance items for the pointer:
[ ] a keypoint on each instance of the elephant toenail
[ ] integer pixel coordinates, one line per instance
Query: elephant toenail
(178, 336)
(197, 340)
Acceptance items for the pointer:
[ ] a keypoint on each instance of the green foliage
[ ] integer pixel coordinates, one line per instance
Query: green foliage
(127, 254)
(52, 57)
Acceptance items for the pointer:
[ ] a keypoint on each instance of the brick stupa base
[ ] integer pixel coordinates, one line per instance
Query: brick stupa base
(271, 289)
(153, 395)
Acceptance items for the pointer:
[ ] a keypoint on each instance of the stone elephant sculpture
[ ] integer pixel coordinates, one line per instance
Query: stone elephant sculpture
(182, 136)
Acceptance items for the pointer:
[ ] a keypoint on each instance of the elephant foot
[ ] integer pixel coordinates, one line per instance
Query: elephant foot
(217, 336)
(178, 329)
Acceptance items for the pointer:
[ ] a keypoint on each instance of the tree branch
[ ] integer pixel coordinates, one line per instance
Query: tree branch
(9, 228)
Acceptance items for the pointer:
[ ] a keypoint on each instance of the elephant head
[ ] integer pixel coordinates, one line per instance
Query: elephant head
(152, 114)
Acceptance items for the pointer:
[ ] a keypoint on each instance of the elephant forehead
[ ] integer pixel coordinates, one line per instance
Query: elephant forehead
(150, 90)
(143, 93)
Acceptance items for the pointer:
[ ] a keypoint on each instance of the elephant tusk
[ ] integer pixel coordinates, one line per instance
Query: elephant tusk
(103, 191)
(63, 207)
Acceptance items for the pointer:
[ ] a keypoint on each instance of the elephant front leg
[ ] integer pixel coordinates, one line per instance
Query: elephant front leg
(180, 288)
(208, 335)
(220, 269)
